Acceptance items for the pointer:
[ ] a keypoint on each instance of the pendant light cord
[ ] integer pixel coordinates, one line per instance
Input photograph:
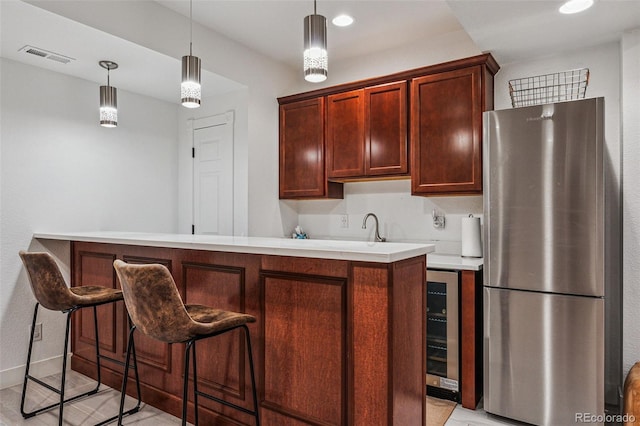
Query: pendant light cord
(191, 27)
(314, 7)
(108, 83)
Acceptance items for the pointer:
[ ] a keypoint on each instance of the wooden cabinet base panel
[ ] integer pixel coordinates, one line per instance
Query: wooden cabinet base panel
(335, 342)
(471, 338)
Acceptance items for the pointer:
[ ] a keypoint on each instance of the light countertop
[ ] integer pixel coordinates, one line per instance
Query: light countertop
(451, 261)
(364, 251)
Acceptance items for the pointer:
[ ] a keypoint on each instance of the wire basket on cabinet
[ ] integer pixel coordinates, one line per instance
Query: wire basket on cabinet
(549, 88)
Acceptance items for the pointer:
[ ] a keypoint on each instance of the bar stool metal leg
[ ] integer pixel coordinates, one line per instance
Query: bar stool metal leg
(190, 346)
(253, 376)
(98, 356)
(125, 375)
(195, 383)
(131, 350)
(26, 373)
(64, 367)
(185, 384)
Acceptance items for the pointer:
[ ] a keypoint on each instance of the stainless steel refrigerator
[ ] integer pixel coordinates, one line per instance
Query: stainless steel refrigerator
(552, 312)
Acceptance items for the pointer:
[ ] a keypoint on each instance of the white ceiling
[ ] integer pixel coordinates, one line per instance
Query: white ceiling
(275, 27)
(511, 29)
(146, 72)
(514, 30)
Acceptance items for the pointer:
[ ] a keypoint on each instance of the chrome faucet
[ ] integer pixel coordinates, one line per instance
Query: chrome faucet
(364, 226)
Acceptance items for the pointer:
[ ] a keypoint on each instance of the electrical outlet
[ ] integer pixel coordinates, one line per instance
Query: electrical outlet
(344, 221)
(37, 334)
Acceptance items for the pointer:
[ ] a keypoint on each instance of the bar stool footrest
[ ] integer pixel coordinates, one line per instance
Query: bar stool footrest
(30, 414)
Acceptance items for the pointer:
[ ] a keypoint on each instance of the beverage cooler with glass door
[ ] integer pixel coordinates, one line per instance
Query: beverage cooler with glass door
(443, 329)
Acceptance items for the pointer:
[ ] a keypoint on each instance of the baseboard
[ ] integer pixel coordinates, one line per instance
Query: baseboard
(46, 367)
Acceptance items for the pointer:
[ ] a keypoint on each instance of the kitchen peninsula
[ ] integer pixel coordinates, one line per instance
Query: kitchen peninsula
(338, 341)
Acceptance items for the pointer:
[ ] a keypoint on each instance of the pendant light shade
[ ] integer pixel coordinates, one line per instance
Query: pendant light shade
(315, 47)
(108, 99)
(190, 89)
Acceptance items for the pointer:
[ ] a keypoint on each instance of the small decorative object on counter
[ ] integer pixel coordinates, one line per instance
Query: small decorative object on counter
(299, 234)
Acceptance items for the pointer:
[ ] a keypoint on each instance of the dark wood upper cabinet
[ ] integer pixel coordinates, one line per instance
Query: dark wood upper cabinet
(386, 129)
(345, 134)
(425, 121)
(302, 166)
(446, 131)
(367, 132)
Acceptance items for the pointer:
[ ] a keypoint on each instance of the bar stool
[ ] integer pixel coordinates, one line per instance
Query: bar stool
(156, 309)
(51, 291)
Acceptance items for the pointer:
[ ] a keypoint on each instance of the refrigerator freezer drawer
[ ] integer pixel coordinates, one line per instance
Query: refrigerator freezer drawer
(544, 356)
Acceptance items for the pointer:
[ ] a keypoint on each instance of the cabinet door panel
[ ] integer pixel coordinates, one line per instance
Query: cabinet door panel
(302, 149)
(345, 134)
(386, 129)
(305, 352)
(446, 132)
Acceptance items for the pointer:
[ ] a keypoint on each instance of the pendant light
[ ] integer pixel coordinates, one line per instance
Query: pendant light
(315, 47)
(190, 89)
(108, 98)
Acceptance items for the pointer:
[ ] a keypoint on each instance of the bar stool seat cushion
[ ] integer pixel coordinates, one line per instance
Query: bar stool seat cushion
(90, 295)
(210, 320)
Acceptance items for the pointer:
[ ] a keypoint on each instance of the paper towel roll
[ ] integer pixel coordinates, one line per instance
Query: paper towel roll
(471, 240)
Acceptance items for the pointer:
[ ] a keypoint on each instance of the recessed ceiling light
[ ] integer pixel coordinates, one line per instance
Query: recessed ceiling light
(342, 20)
(575, 6)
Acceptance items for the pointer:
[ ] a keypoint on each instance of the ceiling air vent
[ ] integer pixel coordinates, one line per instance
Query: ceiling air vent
(36, 51)
(57, 58)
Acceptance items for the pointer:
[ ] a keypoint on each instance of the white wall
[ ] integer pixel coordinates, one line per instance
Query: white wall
(604, 66)
(402, 217)
(631, 196)
(62, 171)
(264, 78)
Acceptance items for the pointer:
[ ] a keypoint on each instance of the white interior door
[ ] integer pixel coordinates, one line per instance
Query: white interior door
(213, 175)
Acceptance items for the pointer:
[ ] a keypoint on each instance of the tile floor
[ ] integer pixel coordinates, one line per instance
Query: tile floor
(104, 404)
(465, 417)
(85, 411)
